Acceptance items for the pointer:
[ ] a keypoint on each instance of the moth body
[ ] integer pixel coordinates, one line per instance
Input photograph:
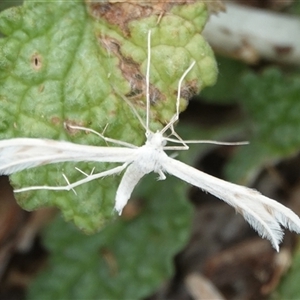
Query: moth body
(148, 158)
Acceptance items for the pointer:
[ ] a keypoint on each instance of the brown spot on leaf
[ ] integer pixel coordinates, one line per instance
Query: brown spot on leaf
(36, 61)
(189, 90)
(73, 131)
(131, 72)
(55, 120)
(121, 13)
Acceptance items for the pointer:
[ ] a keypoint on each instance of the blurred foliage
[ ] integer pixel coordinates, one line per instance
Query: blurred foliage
(269, 100)
(289, 286)
(127, 259)
(229, 77)
(294, 8)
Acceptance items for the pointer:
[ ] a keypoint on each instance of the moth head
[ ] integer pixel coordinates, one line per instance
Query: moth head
(155, 139)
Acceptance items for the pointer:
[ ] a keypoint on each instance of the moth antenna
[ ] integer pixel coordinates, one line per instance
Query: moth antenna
(106, 139)
(148, 81)
(176, 116)
(179, 88)
(133, 109)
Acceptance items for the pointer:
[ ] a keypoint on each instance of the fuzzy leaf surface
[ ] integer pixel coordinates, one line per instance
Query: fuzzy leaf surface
(271, 105)
(61, 63)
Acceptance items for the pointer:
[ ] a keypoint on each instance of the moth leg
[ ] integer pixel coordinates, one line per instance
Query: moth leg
(106, 139)
(71, 186)
(161, 174)
(82, 172)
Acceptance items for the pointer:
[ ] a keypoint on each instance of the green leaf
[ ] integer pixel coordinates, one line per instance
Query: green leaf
(226, 89)
(61, 62)
(271, 103)
(125, 261)
(289, 287)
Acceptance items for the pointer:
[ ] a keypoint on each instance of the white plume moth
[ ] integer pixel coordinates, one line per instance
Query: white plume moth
(265, 215)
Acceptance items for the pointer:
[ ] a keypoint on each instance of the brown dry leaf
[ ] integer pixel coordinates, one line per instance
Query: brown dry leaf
(122, 12)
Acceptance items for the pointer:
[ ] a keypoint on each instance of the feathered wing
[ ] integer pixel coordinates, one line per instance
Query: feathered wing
(23, 153)
(130, 179)
(263, 214)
